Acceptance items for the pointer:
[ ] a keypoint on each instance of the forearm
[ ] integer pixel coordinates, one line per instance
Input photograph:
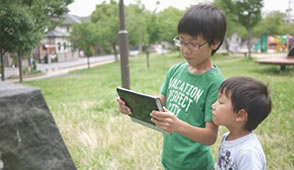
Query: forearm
(169, 122)
(206, 136)
(162, 98)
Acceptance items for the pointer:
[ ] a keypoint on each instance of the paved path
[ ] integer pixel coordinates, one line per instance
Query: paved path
(57, 69)
(62, 68)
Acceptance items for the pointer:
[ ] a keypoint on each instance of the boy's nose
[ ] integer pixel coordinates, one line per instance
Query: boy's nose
(185, 50)
(213, 106)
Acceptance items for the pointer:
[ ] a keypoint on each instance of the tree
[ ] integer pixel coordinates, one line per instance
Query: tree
(83, 37)
(47, 14)
(26, 22)
(245, 12)
(106, 18)
(249, 14)
(136, 25)
(233, 27)
(273, 24)
(168, 21)
(21, 31)
(152, 33)
(5, 34)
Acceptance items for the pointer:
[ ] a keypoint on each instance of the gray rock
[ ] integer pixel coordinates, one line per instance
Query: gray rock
(29, 137)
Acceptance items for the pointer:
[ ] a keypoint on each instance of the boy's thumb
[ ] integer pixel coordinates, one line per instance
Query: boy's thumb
(164, 109)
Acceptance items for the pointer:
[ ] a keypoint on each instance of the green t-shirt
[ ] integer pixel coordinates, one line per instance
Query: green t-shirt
(189, 96)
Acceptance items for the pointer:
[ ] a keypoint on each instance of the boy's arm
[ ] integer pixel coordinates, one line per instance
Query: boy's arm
(206, 136)
(162, 98)
(169, 122)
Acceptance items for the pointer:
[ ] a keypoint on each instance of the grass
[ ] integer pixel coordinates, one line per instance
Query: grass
(99, 137)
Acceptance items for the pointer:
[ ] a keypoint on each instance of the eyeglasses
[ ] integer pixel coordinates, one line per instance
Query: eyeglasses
(192, 46)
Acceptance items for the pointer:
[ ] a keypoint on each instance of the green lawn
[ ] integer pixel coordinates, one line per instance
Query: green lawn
(99, 137)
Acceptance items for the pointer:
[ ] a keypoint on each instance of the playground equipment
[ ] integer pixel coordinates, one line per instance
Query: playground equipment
(274, 43)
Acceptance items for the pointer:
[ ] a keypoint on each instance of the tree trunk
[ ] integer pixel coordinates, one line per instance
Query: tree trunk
(147, 58)
(140, 48)
(249, 42)
(115, 52)
(88, 61)
(20, 66)
(2, 66)
(161, 47)
(227, 47)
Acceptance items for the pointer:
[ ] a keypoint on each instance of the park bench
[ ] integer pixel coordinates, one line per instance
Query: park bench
(282, 61)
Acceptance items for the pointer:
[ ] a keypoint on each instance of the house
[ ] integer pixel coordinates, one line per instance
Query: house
(56, 47)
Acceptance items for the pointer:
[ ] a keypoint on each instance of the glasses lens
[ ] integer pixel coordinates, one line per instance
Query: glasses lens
(177, 42)
(191, 46)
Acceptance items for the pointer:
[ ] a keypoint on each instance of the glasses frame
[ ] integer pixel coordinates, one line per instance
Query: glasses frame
(192, 46)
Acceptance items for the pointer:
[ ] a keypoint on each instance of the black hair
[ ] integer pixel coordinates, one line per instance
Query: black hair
(204, 20)
(249, 94)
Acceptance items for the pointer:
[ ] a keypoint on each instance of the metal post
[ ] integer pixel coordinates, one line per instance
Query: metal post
(124, 50)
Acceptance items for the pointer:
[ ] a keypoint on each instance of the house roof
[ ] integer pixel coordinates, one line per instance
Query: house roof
(85, 19)
(71, 19)
(56, 33)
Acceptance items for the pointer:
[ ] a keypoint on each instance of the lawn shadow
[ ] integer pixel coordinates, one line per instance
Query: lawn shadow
(274, 70)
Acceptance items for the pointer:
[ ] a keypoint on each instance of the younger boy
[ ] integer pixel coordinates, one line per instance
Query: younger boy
(243, 103)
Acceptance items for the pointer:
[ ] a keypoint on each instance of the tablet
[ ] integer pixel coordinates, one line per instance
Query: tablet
(141, 106)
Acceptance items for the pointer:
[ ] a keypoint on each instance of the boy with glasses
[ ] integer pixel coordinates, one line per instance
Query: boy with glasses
(189, 90)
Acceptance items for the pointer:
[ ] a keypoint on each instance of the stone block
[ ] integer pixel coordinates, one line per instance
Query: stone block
(29, 137)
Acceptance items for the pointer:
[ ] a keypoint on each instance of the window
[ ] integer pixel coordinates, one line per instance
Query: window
(64, 45)
(59, 46)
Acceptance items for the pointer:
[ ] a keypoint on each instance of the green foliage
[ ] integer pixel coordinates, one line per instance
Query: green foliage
(233, 27)
(106, 19)
(271, 23)
(23, 22)
(17, 28)
(47, 13)
(5, 34)
(248, 12)
(18, 31)
(147, 27)
(83, 37)
(99, 137)
(168, 21)
(136, 23)
(153, 28)
(274, 24)
(144, 27)
(240, 13)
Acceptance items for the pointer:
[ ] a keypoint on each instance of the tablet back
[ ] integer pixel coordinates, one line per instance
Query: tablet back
(141, 106)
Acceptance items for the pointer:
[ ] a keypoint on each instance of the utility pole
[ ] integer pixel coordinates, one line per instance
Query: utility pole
(124, 49)
(289, 11)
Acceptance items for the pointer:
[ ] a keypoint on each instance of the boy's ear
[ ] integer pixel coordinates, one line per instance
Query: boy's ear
(242, 115)
(216, 44)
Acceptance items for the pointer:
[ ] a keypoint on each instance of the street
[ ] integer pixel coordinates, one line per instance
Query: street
(56, 69)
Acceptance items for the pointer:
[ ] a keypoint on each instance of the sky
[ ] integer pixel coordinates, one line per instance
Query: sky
(86, 7)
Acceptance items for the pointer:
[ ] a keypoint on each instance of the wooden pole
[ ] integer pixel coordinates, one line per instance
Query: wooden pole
(124, 50)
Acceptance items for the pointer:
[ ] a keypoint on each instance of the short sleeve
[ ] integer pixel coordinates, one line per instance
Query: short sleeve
(251, 159)
(164, 86)
(211, 99)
